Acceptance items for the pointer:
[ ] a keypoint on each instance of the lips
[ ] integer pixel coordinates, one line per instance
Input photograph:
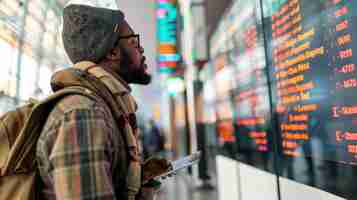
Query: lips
(144, 66)
(143, 59)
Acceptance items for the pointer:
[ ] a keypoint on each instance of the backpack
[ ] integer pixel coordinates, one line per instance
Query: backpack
(19, 131)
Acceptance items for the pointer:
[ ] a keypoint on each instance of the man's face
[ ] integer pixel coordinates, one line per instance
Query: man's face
(132, 67)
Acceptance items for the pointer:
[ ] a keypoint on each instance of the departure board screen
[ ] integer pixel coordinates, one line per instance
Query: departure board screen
(223, 105)
(313, 76)
(251, 95)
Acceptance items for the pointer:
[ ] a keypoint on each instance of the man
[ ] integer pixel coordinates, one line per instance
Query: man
(88, 148)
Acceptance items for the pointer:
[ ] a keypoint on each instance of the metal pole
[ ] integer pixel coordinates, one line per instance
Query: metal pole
(20, 49)
(39, 46)
(174, 137)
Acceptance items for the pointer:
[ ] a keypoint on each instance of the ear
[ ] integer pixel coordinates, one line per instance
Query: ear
(114, 54)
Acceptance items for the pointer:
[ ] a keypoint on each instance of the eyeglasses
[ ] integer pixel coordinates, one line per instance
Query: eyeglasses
(137, 36)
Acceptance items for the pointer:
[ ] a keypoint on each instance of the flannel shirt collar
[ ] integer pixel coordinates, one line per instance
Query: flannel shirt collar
(118, 87)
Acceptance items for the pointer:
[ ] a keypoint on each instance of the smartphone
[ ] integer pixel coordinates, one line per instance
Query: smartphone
(179, 164)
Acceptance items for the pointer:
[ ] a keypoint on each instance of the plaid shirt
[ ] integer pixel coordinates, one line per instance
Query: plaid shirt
(76, 152)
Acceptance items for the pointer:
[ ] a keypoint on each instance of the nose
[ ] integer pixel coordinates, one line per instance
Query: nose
(141, 49)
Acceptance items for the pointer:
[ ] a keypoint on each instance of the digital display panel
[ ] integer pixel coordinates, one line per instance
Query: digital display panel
(240, 75)
(313, 76)
(251, 95)
(293, 97)
(312, 71)
(224, 106)
(168, 56)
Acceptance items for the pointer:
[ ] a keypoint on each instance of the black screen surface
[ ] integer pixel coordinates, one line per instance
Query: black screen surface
(251, 91)
(251, 95)
(241, 84)
(313, 77)
(291, 103)
(312, 70)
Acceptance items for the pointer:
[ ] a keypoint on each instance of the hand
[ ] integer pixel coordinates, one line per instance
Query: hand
(148, 193)
(169, 175)
(154, 167)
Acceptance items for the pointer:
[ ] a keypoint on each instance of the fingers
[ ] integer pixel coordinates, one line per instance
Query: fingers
(169, 175)
(147, 194)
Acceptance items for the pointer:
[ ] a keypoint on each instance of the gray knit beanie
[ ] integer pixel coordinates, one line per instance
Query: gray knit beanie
(89, 33)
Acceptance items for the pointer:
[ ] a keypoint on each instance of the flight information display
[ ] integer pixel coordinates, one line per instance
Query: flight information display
(251, 95)
(313, 76)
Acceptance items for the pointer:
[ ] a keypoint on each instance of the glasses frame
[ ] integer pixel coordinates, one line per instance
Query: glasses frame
(137, 36)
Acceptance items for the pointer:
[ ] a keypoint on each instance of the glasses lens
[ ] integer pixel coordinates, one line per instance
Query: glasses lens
(137, 36)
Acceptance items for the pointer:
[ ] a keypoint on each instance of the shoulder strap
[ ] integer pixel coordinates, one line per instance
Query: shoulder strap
(25, 143)
(119, 111)
(125, 121)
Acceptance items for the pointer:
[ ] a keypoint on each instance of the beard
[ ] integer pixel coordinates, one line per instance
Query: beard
(132, 73)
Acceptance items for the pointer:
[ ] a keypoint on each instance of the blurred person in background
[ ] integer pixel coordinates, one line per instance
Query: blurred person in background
(153, 140)
(88, 148)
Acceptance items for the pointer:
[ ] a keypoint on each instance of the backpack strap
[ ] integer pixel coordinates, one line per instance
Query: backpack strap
(103, 84)
(117, 104)
(26, 142)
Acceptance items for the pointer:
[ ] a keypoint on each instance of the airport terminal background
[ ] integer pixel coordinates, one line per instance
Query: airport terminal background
(266, 89)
